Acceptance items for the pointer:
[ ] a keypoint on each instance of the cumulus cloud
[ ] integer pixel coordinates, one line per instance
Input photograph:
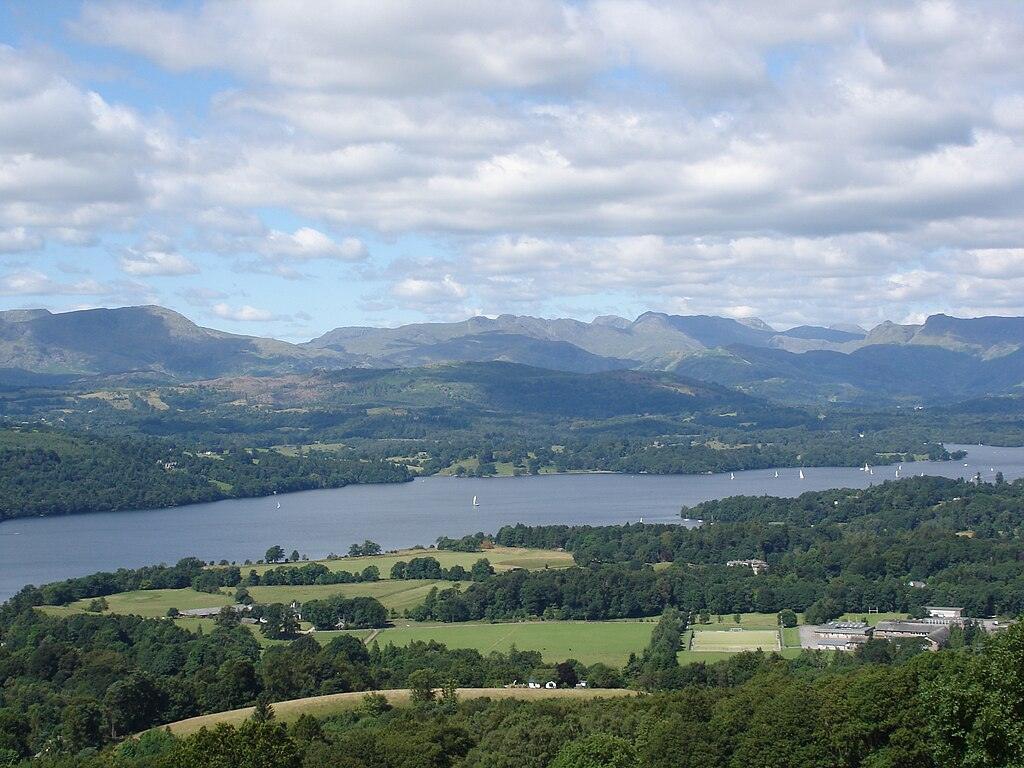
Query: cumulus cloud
(156, 256)
(19, 240)
(33, 282)
(807, 161)
(307, 243)
(244, 313)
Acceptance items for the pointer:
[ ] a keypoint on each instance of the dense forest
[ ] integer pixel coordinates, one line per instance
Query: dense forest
(47, 472)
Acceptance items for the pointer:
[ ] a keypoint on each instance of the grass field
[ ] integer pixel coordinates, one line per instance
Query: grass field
(609, 642)
(398, 595)
(735, 641)
(151, 603)
(323, 706)
(747, 621)
(502, 558)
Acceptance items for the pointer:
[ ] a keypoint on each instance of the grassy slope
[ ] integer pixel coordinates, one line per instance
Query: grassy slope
(502, 558)
(322, 706)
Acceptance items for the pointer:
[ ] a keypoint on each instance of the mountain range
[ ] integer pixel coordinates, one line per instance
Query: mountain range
(941, 360)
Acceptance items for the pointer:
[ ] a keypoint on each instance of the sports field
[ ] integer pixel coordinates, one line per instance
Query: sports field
(502, 558)
(151, 603)
(609, 642)
(735, 641)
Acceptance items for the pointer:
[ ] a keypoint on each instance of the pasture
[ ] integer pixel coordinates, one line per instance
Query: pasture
(393, 594)
(502, 558)
(609, 642)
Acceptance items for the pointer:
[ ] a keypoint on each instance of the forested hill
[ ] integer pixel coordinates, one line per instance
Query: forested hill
(44, 472)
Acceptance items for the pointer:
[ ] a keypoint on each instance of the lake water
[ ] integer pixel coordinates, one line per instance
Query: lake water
(39, 550)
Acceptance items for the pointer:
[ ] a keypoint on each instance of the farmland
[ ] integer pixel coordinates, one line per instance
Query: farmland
(609, 642)
(502, 558)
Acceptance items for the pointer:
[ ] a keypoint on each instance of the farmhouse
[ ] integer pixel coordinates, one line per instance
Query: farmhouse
(757, 566)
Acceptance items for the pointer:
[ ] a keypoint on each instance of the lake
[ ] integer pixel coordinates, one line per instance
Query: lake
(39, 550)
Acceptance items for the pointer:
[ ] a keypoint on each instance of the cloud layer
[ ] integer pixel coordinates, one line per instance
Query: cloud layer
(804, 162)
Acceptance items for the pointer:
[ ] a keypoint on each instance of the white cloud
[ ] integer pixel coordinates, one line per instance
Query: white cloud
(156, 256)
(420, 291)
(244, 313)
(307, 243)
(815, 160)
(19, 240)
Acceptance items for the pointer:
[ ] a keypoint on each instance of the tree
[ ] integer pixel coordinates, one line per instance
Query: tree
(242, 596)
(565, 675)
(228, 617)
(98, 605)
(263, 712)
(599, 750)
(279, 622)
(787, 618)
(274, 555)
(421, 687)
(976, 707)
(294, 556)
(375, 704)
(481, 570)
(370, 573)
(82, 725)
(173, 613)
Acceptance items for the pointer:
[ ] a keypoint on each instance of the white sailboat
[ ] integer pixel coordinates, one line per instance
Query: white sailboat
(801, 474)
(732, 476)
(776, 473)
(897, 472)
(279, 505)
(475, 502)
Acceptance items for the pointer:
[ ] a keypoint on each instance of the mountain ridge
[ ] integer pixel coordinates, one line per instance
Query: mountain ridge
(971, 357)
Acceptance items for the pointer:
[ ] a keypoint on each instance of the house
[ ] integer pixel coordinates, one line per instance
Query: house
(944, 612)
(916, 584)
(532, 684)
(550, 684)
(935, 634)
(757, 566)
(212, 613)
(841, 635)
(581, 684)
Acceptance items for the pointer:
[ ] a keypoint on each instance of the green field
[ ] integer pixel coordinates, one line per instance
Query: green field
(609, 642)
(873, 618)
(735, 641)
(502, 558)
(747, 621)
(397, 595)
(152, 603)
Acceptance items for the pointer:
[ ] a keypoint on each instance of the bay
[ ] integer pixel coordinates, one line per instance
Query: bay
(40, 550)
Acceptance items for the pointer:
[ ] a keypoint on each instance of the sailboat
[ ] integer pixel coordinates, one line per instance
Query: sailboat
(278, 503)
(732, 476)
(801, 474)
(776, 473)
(475, 502)
(897, 472)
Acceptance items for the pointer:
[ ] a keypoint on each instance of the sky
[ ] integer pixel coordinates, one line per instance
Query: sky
(282, 168)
